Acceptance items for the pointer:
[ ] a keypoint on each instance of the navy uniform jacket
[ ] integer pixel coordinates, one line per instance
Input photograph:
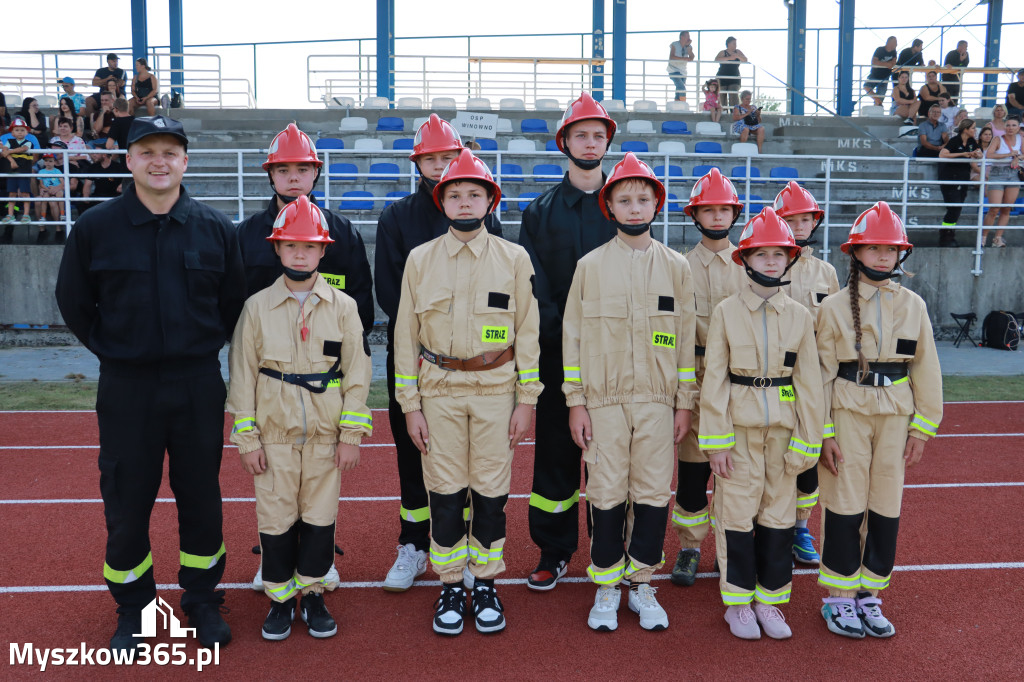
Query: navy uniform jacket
(139, 288)
(344, 265)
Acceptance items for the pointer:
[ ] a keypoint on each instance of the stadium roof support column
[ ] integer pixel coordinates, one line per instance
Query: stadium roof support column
(844, 79)
(993, 35)
(619, 50)
(386, 49)
(140, 37)
(177, 47)
(597, 52)
(796, 59)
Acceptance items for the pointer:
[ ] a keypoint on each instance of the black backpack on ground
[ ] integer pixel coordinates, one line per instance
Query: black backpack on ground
(1000, 330)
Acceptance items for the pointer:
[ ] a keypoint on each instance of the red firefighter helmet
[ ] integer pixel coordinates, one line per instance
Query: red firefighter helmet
(291, 145)
(878, 225)
(435, 135)
(582, 109)
(300, 221)
(630, 167)
(795, 200)
(17, 122)
(765, 229)
(467, 167)
(713, 189)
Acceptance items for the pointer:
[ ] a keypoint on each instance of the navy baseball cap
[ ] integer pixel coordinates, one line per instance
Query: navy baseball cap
(144, 126)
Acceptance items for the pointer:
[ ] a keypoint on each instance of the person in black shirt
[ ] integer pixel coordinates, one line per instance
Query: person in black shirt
(152, 283)
(1015, 97)
(910, 56)
(117, 136)
(107, 185)
(962, 145)
(957, 59)
(882, 62)
(108, 74)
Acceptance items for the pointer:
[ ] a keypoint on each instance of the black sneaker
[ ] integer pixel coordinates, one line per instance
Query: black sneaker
(487, 608)
(450, 609)
(128, 625)
(59, 238)
(316, 616)
(278, 624)
(547, 573)
(684, 573)
(209, 624)
(42, 237)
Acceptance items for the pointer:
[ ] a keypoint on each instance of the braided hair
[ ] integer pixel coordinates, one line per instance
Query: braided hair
(854, 286)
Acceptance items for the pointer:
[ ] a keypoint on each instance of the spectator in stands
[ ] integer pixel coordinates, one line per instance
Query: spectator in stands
(37, 123)
(729, 70)
(68, 140)
(5, 118)
(984, 140)
(110, 76)
(904, 99)
(961, 115)
(108, 185)
(68, 83)
(882, 62)
(1015, 96)
(101, 121)
(932, 134)
(711, 103)
(747, 119)
(948, 111)
(1004, 178)
(16, 150)
(117, 136)
(679, 53)
(955, 59)
(51, 185)
(145, 89)
(930, 91)
(998, 122)
(66, 109)
(909, 56)
(962, 145)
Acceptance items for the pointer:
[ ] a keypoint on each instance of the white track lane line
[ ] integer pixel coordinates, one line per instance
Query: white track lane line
(516, 496)
(919, 568)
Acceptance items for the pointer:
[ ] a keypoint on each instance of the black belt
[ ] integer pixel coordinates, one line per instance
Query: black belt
(878, 374)
(760, 382)
(325, 378)
(698, 350)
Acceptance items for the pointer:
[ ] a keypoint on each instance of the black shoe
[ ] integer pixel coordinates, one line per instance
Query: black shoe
(547, 573)
(129, 624)
(450, 609)
(316, 617)
(278, 624)
(59, 237)
(42, 237)
(209, 624)
(487, 608)
(684, 572)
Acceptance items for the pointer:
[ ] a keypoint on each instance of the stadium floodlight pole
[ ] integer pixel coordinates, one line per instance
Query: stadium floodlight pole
(796, 55)
(386, 50)
(993, 34)
(140, 37)
(844, 79)
(619, 50)
(176, 21)
(597, 52)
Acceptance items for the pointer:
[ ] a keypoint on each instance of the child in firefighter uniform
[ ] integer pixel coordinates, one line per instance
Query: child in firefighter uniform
(811, 280)
(761, 422)
(300, 374)
(714, 207)
(627, 344)
(466, 376)
(883, 398)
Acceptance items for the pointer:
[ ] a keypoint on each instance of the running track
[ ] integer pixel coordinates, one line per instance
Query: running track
(955, 598)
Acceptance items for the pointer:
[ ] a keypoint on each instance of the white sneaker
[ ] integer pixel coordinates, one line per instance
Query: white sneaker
(643, 602)
(257, 582)
(410, 564)
(331, 580)
(604, 614)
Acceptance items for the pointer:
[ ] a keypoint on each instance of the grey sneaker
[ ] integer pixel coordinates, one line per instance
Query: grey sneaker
(604, 614)
(410, 564)
(841, 617)
(869, 610)
(643, 602)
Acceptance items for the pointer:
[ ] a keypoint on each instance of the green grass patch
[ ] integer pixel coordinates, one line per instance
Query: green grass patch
(955, 388)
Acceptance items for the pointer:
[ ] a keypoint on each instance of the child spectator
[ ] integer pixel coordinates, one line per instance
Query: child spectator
(879, 413)
(299, 382)
(16, 150)
(811, 281)
(761, 424)
(630, 384)
(947, 112)
(467, 328)
(117, 136)
(145, 89)
(711, 103)
(51, 185)
(714, 208)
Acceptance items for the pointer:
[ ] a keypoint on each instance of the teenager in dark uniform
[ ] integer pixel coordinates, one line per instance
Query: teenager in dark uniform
(152, 283)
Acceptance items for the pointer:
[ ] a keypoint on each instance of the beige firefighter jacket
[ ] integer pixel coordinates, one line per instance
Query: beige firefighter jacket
(811, 280)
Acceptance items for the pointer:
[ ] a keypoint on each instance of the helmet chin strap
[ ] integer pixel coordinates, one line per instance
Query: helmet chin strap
(582, 164)
(810, 238)
(466, 224)
(633, 230)
(765, 280)
(716, 234)
(881, 275)
(297, 275)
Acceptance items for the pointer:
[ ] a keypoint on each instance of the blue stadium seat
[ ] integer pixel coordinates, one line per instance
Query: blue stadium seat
(699, 171)
(356, 200)
(388, 172)
(756, 203)
(403, 143)
(338, 168)
(674, 206)
(330, 143)
(526, 195)
(674, 171)
(1018, 208)
(551, 146)
(534, 125)
(390, 124)
(487, 145)
(739, 174)
(635, 146)
(783, 173)
(506, 170)
(707, 147)
(674, 128)
(395, 196)
(550, 172)
(319, 196)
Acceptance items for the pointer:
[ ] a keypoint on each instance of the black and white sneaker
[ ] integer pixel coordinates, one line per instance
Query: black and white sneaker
(487, 608)
(316, 616)
(450, 609)
(547, 573)
(278, 624)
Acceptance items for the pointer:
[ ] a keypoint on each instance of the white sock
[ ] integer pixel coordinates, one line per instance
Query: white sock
(801, 523)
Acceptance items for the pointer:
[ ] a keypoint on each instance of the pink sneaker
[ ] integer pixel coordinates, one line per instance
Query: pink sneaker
(772, 620)
(742, 622)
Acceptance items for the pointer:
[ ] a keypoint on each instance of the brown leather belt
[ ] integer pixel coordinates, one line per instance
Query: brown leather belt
(478, 364)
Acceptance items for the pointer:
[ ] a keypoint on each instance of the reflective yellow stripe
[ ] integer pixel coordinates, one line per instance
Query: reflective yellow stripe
(129, 576)
(737, 598)
(553, 506)
(687, 374)
(460, 552)
(839, 582)
(806, 501)
(607, 577)
(830, 431)
(357, 419)
(482, 556)
(689, 521)
(244, 424)
(285, 592)
(415, 515)
(920, 423)
(571, 374)
(203, 562)
(526, 376)
(717, 442)
(874, 583)
(777, 598)
(805, 449)
(405, 380)
(900, 381)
